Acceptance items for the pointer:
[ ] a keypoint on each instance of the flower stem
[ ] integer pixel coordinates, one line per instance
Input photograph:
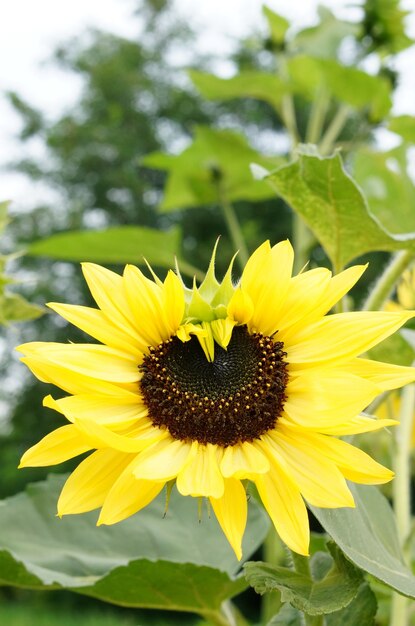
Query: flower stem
(274, 553)
(216, 618)
(334, 129)
(402, 494)
(234, 228)
(318, 114)
(386, 282)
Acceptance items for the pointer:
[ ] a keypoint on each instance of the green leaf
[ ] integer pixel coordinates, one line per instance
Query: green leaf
(324, 40)
(394, 349)
(330, 202)
(349, 85)
(277, 24)
(287, 616)
(123, 244)
(14, 308)
(389, 190)
(403, 125)
(336, 590)
(147, 561)
(368, 537)
(247, 84)
(216, 163)
(361, 610)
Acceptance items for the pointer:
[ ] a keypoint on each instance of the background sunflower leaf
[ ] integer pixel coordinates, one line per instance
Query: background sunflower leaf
(386, 183)
(348, 85)
(361, 610)
(216, 158)
(403, 125)
(332, 592)
(277, 24)
(146, 561)
(368, 537)
(333, 206)
(263, 86)
(122, 244)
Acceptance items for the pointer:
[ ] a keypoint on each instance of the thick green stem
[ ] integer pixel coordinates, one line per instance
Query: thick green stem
(402, 493)
(386, 282)
(334, 129)
(287, 111)
(274, 553)
(234, 228)
(302, 242)
(317, 115)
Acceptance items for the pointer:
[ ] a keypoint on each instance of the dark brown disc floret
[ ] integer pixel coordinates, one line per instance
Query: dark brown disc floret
(236, 398)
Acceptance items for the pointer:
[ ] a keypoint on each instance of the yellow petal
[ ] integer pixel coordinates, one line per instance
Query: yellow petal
(145, 299)
(222, 331)
(70, 381)
(240, 307)
(304, 292)
(58, 446)
(286, 508)
(323, 397)
(318, 479)
(354, 464)
(243, 460)
(127, 496)
(172, 305)
(97, 325)
(385, 375)
(115, 412)
(231, 511)
(352, 426)
(107, 289)
(89, 484)
(162, 461)
(342, 336)
(101, 437)
(91, 360)
(266, 280)
(200, 475)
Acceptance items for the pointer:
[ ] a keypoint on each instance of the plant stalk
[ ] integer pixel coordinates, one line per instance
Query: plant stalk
(334, 129)
(234, 228)
(274, 553)
(386, 282)
(402, 493)
(318, 114)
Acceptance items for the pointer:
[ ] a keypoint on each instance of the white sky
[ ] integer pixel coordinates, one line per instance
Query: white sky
(30, 30)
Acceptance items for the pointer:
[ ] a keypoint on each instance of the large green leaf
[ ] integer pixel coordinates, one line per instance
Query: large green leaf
(367, 535)
(347, 84)
(314, 597)
(122, 244)
(148, 561)
(216, 163)
(332, 205)
(247, 84)
(389, 190)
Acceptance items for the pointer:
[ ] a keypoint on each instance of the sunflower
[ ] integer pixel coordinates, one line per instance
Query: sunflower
(212, 386)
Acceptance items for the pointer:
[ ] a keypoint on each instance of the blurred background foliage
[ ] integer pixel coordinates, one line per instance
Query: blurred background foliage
(157, 141)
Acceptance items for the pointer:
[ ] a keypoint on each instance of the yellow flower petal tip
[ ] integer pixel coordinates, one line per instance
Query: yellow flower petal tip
(216, 384)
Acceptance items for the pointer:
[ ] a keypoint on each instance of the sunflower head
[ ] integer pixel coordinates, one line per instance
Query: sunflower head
(214, 385)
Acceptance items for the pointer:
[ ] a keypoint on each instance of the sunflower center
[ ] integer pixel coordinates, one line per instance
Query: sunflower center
(237, 397)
